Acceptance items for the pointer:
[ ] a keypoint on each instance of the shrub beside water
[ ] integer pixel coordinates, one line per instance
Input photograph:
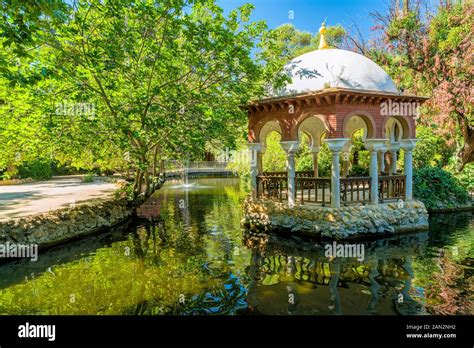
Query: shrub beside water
(37, 170)
(438, 189)
(89, 177)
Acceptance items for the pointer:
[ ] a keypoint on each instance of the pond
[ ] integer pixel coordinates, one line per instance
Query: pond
(187, 255)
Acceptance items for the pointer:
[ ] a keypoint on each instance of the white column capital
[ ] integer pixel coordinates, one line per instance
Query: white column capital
(383, 148)
(290, 147)
(374, 144)
(336, 144)
(395, 146)
(408, 144)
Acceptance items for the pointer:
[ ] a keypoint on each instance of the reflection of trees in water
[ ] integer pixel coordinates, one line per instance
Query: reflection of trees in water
(445, 228)
(446, 274)
(332, 286)
(451, 290)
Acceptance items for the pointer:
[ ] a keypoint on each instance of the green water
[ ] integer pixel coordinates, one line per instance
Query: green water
(187, 255)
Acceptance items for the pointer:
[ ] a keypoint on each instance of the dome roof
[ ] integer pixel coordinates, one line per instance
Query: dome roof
(334, 68)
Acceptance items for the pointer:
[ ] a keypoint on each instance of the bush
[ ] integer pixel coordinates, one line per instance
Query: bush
(37, 170)
(89, 177)
(358, 170)
(431, 149)
(274, 159)
(125, 191)
(438, 189)
(466, 177)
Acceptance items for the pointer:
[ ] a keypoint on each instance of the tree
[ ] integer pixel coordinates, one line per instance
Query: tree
(432, 54)
(162, 76)
(293, 42)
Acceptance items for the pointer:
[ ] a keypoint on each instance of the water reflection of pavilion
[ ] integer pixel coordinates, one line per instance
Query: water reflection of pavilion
(297, 278)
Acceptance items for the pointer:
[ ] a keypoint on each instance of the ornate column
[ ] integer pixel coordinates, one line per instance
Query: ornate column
(374, 145)
(290, 148)
(335, 145)
(408, 145)
(315, 152)
(254, 149)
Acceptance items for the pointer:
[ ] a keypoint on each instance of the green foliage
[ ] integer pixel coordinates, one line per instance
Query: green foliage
(36, 169)
(466, 177)
(162, 81)
(324, 161)
(274, 159)
(125, 191)
(430, 54)
(23, 21)
(437, 188)
(431, 149)
(358, 170)
(362, 167)
(88, 178)
(304, 157)
(294, 42)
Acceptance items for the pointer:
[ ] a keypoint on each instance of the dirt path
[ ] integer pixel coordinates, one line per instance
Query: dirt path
(43, 196)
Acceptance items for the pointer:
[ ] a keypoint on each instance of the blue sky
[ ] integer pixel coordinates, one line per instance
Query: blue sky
(309, 14)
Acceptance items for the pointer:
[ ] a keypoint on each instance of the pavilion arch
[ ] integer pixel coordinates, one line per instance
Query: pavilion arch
(266, 129)
(314, 126)
(396, 128)
(357, 120)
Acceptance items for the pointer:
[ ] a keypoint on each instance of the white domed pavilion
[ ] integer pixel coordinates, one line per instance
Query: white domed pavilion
(332, 94)
(316, 70)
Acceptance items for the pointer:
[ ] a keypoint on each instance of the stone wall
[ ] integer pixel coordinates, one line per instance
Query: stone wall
(62, 225)
(336, 223)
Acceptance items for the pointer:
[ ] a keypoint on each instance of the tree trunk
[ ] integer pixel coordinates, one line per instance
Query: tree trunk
(155, 155)
(147, 183)
(355, 160)
(466, 155)
(137, 185)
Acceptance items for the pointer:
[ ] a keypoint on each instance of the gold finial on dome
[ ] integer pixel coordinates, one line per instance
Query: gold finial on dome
(322, 37)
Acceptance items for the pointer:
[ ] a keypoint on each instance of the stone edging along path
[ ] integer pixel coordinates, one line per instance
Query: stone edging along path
(15, 181)
(65, 224)
(61, 225)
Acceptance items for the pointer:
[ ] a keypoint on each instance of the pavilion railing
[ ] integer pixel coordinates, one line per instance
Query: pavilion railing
(313, 190)
(355, 190)
(392, 187)
(318, 190)
(272, 187)
(298, 174)
(304, 174)
(279, 174)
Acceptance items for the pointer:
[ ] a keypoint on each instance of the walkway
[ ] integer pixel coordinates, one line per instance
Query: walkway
(39, 197)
